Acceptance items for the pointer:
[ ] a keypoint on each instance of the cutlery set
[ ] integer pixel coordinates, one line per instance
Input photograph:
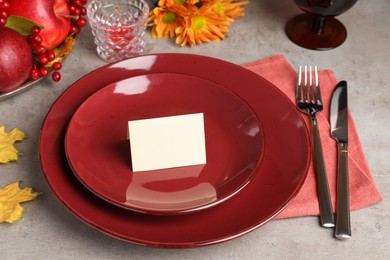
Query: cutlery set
(309, 101)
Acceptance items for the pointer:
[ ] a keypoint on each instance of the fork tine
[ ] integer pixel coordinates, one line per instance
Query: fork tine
(311, 87)
(305, 86)
(318, 91)
(298, 94)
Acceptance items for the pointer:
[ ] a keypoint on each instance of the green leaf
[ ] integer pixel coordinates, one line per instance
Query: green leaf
(21, 25)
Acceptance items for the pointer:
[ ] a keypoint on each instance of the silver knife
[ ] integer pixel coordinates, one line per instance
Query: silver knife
(339, 132)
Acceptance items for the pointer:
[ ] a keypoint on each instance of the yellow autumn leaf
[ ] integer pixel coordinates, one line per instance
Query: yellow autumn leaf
(8, 152)
(10, 198)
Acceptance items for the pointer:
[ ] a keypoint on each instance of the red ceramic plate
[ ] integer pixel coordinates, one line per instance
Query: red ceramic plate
(280, 176)
(99, 154)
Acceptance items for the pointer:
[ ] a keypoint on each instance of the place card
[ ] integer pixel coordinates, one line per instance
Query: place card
(167, 142)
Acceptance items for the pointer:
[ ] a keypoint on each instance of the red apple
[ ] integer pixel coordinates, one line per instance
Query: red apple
(16, 59)
(51, 14)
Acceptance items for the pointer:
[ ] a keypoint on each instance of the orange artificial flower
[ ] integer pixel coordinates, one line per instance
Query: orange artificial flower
(194, 21)
(202, 26)
(164, 22)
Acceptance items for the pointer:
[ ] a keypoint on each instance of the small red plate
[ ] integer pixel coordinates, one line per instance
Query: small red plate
(99, 154)
(277, 180)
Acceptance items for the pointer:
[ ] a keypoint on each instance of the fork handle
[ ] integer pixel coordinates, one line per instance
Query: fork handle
(326, 209)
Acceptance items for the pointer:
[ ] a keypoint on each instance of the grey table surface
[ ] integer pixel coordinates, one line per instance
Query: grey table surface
(49, 231)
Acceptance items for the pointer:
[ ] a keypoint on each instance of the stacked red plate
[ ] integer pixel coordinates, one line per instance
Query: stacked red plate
(98, 150)
(257, 151)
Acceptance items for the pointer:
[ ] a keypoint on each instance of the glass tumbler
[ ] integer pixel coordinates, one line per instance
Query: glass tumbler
(119, 27)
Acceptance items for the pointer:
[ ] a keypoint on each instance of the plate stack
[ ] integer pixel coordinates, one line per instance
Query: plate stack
(257, 150)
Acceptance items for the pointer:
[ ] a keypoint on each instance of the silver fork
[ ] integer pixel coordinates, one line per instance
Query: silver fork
(308, 98)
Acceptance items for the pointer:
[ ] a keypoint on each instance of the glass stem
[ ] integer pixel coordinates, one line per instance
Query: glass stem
(318, 24)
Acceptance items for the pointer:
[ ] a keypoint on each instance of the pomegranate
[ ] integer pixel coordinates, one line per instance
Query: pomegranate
(16, 60)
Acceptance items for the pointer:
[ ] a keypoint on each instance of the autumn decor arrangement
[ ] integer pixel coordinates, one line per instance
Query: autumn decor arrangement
(36, 35)
(193, 22)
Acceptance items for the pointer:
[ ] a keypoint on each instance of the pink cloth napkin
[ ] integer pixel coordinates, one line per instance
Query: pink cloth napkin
(363, 192)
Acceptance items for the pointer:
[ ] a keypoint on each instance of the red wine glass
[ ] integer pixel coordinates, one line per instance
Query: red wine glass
(317, 29)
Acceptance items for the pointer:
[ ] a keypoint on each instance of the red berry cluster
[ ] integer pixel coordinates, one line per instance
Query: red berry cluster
(4, 7)
(77, 9)
(43, 57)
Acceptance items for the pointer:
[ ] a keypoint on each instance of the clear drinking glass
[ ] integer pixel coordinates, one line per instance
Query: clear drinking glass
(119, 27)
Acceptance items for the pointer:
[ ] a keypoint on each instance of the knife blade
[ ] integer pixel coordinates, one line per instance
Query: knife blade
(339, 132)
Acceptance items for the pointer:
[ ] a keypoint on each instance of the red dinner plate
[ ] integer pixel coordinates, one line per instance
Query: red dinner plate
(99, 154)
(278, 179)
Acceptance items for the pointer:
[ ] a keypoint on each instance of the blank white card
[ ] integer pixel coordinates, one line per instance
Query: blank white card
(167, 142)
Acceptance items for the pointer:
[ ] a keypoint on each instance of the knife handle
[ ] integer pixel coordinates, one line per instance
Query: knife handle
(343, 223)
(326, 209)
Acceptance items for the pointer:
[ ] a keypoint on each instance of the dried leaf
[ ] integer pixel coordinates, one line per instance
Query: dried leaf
(10, 198)
(63, 50)
(8, 152)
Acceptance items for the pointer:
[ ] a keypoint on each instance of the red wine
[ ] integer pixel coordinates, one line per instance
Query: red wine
(325, 7)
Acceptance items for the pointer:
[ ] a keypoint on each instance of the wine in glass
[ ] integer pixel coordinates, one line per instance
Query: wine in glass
(317, 29)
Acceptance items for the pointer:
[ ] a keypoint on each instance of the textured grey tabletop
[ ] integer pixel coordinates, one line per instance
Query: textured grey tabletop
(49, 231)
